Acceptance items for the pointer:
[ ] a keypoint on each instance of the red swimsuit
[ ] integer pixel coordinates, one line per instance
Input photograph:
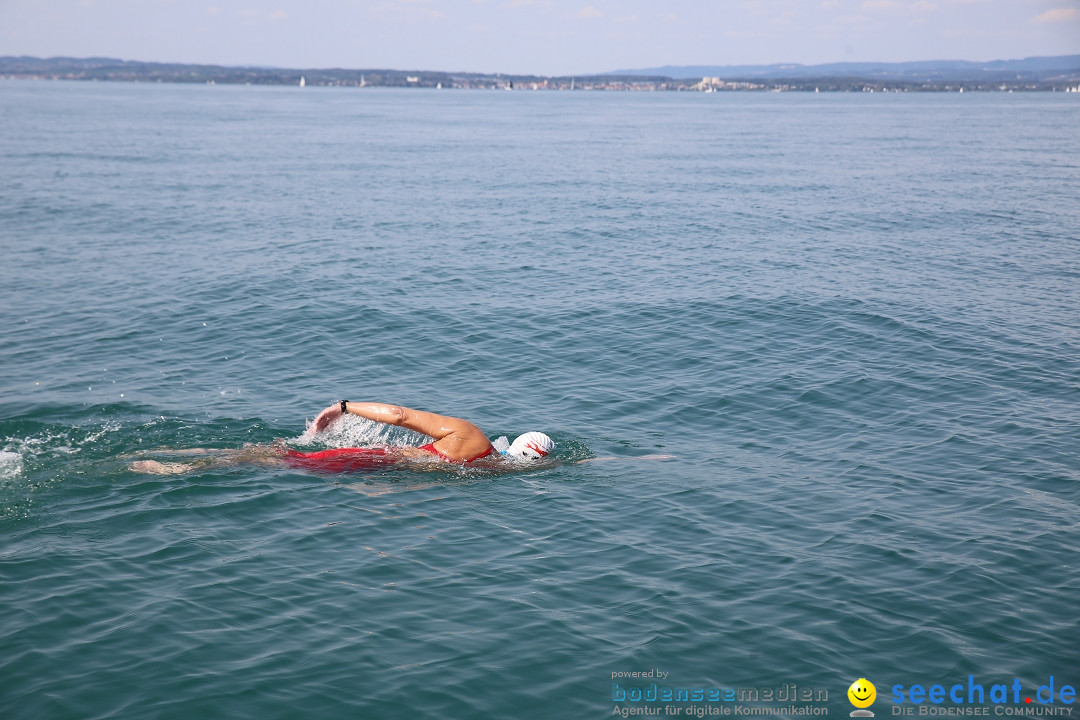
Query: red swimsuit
(340, 460)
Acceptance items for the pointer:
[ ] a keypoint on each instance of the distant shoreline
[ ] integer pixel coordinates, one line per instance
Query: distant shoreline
(992, 79)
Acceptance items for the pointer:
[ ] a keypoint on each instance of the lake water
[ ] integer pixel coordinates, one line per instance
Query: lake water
(850, 320)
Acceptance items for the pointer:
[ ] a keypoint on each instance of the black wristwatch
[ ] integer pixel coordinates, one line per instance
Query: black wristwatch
(343, 410)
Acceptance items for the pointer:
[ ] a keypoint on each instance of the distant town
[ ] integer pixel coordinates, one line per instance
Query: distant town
(956, 77)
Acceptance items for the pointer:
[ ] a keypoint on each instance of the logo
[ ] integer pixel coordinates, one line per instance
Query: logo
(964, 699)
(862, 694)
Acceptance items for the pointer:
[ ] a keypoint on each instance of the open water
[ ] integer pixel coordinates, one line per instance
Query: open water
(851, 320)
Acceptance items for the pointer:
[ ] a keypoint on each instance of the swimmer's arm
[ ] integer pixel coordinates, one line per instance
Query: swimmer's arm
(457, 439)
(388, 414)
(430, 424)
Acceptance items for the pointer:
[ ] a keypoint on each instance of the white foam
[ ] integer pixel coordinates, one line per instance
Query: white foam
(11, 464)
(355, 431)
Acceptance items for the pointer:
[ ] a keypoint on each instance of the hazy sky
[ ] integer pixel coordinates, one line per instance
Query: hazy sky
(549, 37)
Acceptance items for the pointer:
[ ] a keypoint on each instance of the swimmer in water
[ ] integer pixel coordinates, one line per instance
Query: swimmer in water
(454, 441)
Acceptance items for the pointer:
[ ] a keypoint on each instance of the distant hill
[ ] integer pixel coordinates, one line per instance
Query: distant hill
(1040, 69)
(100, 68)
(1032, 74)
(113, 69)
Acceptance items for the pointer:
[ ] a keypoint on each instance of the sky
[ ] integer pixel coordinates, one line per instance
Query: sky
(543, 37)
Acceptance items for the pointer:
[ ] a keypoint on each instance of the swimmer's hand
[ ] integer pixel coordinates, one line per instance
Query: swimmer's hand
(326, 417)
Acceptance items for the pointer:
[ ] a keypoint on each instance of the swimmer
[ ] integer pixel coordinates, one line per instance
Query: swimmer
(454, 441)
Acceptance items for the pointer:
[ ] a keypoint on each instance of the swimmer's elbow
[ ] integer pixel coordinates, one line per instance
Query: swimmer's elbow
(380, 412)
(397, 415)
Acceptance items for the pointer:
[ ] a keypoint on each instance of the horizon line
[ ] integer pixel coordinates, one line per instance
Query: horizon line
(621, 71)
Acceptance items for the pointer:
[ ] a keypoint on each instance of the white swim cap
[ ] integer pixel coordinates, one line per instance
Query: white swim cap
(531, 446)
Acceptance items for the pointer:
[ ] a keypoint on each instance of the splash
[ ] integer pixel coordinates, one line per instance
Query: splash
(11, 465)
(51, 442)
(353, 431)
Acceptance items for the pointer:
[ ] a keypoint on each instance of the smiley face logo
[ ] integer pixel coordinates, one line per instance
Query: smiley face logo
(862, 693)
